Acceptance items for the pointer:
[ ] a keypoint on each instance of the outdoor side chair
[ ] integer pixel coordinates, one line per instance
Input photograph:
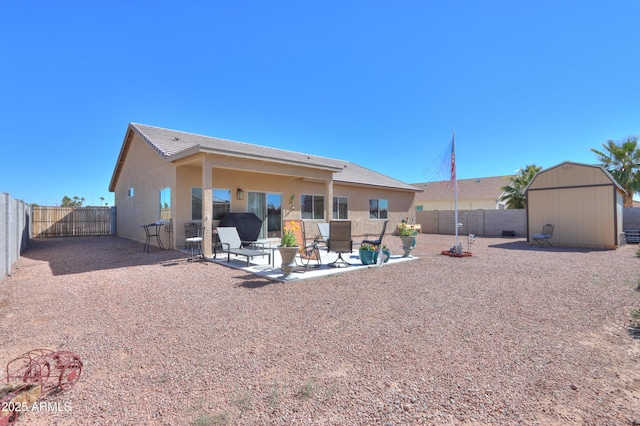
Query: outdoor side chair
(542, 238)
(340, 241)
(377, 241)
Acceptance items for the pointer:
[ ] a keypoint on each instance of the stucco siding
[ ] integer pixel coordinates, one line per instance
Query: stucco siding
(400, 206)
(189, 176)
(152, 159)
(147, 174)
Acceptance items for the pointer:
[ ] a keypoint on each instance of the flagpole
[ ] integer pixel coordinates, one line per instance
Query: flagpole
(455, 182)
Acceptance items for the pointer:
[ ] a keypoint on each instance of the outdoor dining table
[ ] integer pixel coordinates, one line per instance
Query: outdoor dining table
(152, 230)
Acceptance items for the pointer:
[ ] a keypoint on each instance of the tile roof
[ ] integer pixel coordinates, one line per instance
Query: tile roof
(468, 189)
(173, 145)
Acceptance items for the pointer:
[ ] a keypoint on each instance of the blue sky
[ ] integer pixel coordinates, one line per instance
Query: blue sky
(379, 83)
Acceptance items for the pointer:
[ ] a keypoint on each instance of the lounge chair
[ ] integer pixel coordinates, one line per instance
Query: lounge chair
(543, 237)
(308, 251)
(375, 241)
(231, 243)
(340, 241)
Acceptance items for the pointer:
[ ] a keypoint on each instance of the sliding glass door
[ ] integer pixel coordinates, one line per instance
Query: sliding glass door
(267, 207)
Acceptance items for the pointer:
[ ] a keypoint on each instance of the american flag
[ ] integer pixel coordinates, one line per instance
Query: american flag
(453, 183)
(453, 162)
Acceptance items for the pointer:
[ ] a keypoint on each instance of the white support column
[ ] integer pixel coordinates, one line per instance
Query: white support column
(329, 203)
(207, 203)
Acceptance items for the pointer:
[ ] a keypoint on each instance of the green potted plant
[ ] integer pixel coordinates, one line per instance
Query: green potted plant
(408, 236)
(368, 253)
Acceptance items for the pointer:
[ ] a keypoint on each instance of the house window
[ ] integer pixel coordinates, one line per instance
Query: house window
(340, 208)
(221, 203)
(196, 203)
(165, 204)
(312, 206)
(418, 208)
(378, 209)
(130, 193)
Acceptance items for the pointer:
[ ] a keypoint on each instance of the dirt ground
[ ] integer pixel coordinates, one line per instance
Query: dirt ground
(512, 335)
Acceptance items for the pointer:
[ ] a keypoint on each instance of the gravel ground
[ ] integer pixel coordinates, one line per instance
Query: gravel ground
(512, 335)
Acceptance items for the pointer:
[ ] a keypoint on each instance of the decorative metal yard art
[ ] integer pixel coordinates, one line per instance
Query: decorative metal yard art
(37, 372)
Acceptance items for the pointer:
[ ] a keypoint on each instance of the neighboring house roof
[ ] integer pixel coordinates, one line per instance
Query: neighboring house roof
(468, 189)
(173, 145)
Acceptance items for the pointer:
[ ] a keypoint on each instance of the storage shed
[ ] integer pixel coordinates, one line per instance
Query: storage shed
(583, 202)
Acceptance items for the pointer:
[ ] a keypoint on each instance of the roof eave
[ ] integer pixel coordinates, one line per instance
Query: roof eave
(227, 153)
(121, 156)
(370, 185)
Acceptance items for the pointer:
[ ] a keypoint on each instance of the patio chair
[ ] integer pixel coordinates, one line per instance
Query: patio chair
(193, 237)
(231, 243)
(378, 241)
(340, 241)
(543, 237)
(308, 251)
(323, 228)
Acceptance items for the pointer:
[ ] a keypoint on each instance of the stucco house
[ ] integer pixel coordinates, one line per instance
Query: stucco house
(184, 178)
(473, 194)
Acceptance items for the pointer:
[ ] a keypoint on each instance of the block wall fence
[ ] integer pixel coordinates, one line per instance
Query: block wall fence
(491, 223)
(483, 223)
(15, 225)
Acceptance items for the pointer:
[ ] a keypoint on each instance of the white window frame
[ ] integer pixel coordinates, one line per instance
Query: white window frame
(337, 200)
(378, 212)
(311, 215)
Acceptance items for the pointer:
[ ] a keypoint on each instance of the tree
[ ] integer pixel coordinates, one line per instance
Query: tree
(68, 202)
(514, 192)
(623, 163)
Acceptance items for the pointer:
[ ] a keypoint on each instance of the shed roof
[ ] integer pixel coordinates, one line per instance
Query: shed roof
(604, 173)
(173, 145)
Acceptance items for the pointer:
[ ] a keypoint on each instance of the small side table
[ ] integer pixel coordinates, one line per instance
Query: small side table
(152, 230)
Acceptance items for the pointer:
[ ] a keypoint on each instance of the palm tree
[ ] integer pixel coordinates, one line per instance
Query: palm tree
(623, 162)
(513, 193)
